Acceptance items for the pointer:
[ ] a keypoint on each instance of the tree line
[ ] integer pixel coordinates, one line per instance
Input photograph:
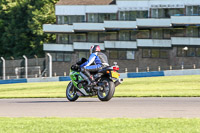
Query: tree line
(21, 30)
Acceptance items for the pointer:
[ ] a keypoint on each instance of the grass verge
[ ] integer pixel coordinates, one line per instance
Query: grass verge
(92, 125)
(173, 86)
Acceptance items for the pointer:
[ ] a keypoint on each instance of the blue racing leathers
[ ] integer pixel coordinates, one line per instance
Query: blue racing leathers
(92, 59)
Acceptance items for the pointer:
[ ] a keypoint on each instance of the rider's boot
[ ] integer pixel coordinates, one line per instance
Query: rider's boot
(91, 78)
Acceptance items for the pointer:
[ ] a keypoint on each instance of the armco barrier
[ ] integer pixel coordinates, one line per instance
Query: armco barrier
(182, 72)
(45, 79)
(145, 74)
(64, 78)
(122, 75)
(13, 81)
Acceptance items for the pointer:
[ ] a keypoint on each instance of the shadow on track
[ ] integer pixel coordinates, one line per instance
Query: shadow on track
(56, 102)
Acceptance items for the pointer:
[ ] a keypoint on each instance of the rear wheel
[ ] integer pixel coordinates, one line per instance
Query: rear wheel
(107, 92)
(71, 92)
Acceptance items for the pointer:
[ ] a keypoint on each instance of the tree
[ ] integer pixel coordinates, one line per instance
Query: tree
(21, 26)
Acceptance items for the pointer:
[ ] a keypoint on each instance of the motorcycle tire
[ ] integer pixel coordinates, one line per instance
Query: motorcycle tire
(71, 92)
(110, 89)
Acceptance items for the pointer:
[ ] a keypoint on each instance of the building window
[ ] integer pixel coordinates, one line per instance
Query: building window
(192, 31)
(157, 33)
(132, 15)
(178, 32)
(93, 17)
(164, 53)
(113, 54)
(62, 19)
(70, 19)
(193, 10)
(121, 54)
(53, 56)
(166, 13)
(74, 19)
(157, 13)
(60, 56)
(181, 52)
(155, 53)
(143, 34)
(134, 35)
(63, 38)
(167, 33)
(142, 14)
(83, 55)
(101, 17)
(146, 53)
(77, 38)
(124, 35)
(124, 15)
(107, 36)
(191, 52)
(174, 12)
(111, 36)
(198, 52)
(130, 55)
(93, 37)
(108, 16)
(67, 57)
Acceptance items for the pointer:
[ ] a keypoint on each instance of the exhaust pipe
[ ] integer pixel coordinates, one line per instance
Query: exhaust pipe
(118, 82)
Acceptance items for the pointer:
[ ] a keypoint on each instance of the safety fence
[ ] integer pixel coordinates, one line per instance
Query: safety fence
(16, 69)
(45, 67)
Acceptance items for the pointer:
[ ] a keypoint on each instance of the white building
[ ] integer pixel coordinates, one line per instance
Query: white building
(135, 33)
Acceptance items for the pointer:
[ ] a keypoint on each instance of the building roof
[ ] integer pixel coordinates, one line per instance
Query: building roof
(85, 2)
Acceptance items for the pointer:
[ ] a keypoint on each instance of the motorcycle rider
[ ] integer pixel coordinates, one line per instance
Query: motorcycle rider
(96, 61)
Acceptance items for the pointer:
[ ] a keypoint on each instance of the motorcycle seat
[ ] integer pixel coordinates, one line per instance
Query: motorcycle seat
(103, 70)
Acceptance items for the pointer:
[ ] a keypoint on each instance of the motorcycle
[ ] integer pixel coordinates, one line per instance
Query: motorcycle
(106, 80)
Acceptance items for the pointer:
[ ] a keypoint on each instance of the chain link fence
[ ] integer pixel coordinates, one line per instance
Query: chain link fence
(15, 69)
(38, 67)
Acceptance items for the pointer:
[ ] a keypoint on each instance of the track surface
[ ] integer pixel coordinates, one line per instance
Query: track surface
(92, 107)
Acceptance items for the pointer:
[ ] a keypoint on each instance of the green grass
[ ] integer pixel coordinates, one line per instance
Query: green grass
(94, 125)
(173, 86)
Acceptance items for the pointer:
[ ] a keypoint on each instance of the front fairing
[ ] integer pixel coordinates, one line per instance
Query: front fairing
(75, 77)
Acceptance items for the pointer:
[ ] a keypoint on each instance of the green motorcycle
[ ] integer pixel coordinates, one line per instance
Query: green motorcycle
(107, 79)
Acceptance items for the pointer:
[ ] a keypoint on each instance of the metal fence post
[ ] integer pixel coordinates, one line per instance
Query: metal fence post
(170, 67)
(26, 66)
(50, 64)
(137, 69)
(147, 69)
(4, 68)
(194, 66)
(159, 68)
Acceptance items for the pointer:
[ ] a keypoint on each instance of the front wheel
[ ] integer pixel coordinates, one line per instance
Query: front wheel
(107, 92)
(71, 92)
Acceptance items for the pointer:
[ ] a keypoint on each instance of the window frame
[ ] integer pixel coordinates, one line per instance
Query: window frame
(118, 54)
(159, 52)
(186, 52)
(63, 59)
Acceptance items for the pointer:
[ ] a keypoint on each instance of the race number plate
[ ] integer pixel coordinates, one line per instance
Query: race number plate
(115, 74)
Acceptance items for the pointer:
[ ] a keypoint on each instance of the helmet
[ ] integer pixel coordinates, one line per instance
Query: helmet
(94, 48)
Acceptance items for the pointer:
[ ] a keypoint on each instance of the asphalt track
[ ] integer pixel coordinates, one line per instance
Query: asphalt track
(92, 107)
